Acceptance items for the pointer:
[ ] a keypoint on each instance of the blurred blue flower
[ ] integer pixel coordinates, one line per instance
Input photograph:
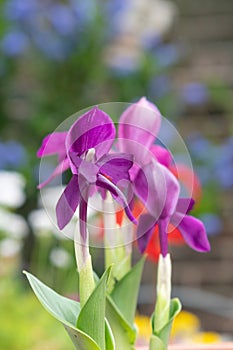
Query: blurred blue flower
(200, 148)
(167, 54)
(224, 164)
(194, 93)
(14, 43)
(51, 45)
(20, 10)
(12, 155)
(84, 11)
(62, 18)
(113, 12)
(212, 222)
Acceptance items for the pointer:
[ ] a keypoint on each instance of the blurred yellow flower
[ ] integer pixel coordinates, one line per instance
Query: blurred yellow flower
(185, 328)
(144, 328)
(185, 325)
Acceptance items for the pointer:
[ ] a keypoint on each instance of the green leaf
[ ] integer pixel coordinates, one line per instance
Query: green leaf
(64, 310)
(125, 292)
(159, 340)
(123, 333)
(109, 338)
(156, 343)
(91, 319)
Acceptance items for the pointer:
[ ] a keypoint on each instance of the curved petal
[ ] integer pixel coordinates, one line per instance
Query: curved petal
(94, 129)
(116, 166)
(158, 189)
(105, 183)
(145, 230)
(194, 233)
(138, 128)
(53, 144)
(140, 122)
(68, 202)
(185, 205)
(80, 166)
(162, 155)
(63, 166)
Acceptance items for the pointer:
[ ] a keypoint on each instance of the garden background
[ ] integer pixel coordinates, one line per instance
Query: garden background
(58, 57)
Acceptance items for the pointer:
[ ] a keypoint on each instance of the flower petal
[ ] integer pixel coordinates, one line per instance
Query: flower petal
(94, 129)
(194, 233)
(145, 230)
(105, 183)
(138, 128)
(53, 144)
(162, 155)
(185, 205)
(80, 166)
(68, 202)
(63, 166)
(158, 189)
(116, 166)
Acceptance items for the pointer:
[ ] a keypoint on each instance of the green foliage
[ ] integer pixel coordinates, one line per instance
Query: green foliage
(24, 324)
(85, 326)
(159, 339)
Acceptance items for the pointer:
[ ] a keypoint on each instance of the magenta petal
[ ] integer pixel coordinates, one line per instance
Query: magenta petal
(63, 166)
(106, 184)
(162, 155)
(194, 233)
(158, 189)
(53, 144)
(145, 229)
(94, 129)
(185, 205)
(116, 166)
(68, 202)
(138, 128)
(89, 171)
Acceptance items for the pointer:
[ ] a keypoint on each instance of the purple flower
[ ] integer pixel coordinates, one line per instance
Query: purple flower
(195, 94)
(54, 144)
(14, 43)
(159, 191)
(138, 128)
(87, 145)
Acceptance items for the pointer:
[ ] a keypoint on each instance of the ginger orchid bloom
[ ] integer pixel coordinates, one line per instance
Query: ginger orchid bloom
(87, 144)
(54, 144)
(138, 128)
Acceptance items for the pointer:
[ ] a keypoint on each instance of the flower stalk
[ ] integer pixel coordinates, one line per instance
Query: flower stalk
(162, 306)
(83, 257)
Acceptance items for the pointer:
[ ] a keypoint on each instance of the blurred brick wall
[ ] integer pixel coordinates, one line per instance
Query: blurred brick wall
(205, 27)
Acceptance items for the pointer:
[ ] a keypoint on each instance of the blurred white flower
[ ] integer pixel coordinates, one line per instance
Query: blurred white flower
(141, 22)
(60, 258)
(43, 224)
(9, 247)
(147, 18)
(40, 222)
(12, 189)
(13, 225)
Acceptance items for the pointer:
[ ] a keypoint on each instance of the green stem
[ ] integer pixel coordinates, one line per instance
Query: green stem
(84, 263)
(162, 306)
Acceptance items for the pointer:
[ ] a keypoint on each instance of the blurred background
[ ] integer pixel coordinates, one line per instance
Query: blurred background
(58, 57)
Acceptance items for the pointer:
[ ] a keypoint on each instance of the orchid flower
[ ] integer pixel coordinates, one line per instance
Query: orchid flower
(54, 144)
(88, 143)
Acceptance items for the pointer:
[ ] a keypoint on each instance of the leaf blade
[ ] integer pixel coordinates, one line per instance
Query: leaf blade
(91, 319)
